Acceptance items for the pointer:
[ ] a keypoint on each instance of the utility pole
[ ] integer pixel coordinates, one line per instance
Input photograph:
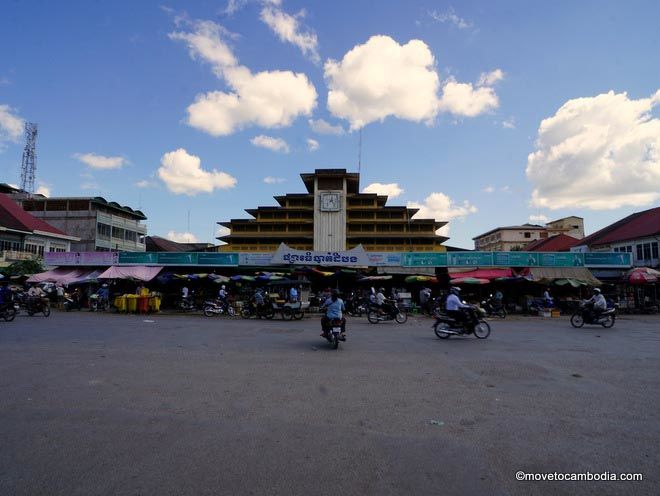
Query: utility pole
(29, 162)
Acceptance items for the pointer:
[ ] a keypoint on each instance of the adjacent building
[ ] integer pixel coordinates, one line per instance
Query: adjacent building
(332, 215)
(518, 237)
(100, 225)
(639, 234)
(160, 244)
(23, 236)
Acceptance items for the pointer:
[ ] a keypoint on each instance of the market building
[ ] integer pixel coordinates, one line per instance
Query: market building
(332, 215)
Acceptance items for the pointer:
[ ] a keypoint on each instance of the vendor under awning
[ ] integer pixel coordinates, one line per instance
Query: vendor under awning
(546, 275)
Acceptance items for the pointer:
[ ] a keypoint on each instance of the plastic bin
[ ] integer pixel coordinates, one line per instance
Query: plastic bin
(143, 304)
(131, 303)
(120, 303)
(154, 303)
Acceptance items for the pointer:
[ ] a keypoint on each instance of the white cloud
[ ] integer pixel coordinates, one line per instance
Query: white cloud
(274, 144)
(269, 99)
(100, 162)
(43, 189)
(184, 237)
(465, 100)
(273, 180)
(450, 17)
(441, 207)
(90, 185)
(538, 219)
(287, 28)
(11, 125)
(510, 123)
(392, 189)
(489, 189)
(599, 153)
(490, 78)
(505, 189)
(234, 6)
(312, 145)
(182, 174)
(146, 183)
(222, 231)
(382, 78)
(320, 126)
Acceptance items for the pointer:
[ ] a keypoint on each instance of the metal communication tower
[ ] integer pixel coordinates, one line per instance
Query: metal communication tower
(29, 163)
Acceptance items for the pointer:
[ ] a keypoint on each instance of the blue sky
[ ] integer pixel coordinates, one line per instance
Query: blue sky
(140, 102)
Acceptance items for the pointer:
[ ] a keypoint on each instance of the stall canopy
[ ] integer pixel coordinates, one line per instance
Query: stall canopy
(62, 275)
(138, 272)
(642, 275)
(546, 275)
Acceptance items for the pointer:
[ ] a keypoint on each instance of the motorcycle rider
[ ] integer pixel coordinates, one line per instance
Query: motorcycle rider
(455, 306)
(596, 305)
(380, 301)
(547, 299)
(335, 307)
(36, 295)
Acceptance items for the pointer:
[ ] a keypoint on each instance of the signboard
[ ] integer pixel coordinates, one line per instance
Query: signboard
(423, 259)
(607, 259)
(561, 260)
(260, 259)
(212, 258)
(288, 256)
(81, 258)
(384, 259)
(515, 259)
(470, 259)
(138, 258)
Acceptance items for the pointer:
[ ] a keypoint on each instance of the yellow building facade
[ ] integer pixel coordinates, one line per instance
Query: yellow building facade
(332, 216)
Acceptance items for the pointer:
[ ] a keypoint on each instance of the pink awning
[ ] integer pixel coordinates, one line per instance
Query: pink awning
(59, 275)
(489, 274)
(139, 272)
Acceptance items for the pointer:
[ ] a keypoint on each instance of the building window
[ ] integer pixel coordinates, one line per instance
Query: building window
(654, 249)
(528, 235)
(639, 253)
(647, 251)
(131, 236)
(103, 230)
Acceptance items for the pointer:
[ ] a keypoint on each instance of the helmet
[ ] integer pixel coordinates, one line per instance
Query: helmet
(222, 287)
(455, 290)
(596, 290)
(380, 290)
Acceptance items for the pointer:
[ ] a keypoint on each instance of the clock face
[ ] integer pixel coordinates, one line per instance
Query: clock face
(330, 202)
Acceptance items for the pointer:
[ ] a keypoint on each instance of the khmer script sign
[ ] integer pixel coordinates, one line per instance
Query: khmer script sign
(354, 257)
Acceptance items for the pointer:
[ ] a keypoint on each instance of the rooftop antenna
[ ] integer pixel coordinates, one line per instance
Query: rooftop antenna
(360, 152)
(29, 162)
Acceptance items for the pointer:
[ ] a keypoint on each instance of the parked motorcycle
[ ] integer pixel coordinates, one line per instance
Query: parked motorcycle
(36, 304)
(71, 302)
(585, 315)
(445, 326)
(332, 332)
(186, 305)
(98, 303)
(7, 311)
(251, 309)
(494, 307)
(218, 307)
(392, 312)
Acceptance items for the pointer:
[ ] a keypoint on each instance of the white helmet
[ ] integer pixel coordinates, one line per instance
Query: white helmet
(596, 290)
(222, 287)
(455, 290)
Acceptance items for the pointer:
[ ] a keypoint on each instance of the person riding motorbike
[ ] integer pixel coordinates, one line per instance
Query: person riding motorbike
(335, 308)
(455, 306)
(596, 305)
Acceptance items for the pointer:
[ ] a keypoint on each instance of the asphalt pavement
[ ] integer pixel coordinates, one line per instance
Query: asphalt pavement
(104, 404)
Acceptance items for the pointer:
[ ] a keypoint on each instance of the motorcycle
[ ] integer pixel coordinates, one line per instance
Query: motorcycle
(251, 309)
(356, 307)
(37, 304)
(332, 332)
(377, 314)
(7, 311)
(218, 307)
(186, 305)
(585, 315)
(446, 326)
(98, 303)
(71, 302)
(494, 307)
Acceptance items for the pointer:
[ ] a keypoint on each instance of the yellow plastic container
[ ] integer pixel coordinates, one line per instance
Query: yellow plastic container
(154, 304)
(131, 303)
(120, 303)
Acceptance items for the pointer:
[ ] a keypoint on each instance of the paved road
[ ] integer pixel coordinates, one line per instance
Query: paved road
(95, 404)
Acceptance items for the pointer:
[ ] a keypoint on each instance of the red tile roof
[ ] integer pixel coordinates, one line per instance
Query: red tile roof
(638, 225)
(14, 217)
(560, 242)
